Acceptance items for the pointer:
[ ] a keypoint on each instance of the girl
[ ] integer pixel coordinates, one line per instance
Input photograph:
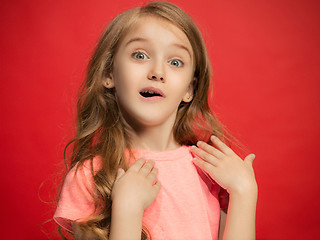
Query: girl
(149, 158)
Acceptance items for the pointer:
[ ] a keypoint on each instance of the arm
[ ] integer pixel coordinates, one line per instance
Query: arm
(237, 176)
(240, 220)
(132, 192)
(126, 224)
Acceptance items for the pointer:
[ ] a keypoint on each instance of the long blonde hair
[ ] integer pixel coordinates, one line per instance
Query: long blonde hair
(101, 129)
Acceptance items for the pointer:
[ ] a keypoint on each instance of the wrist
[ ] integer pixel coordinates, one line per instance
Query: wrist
(127, 206)
(245, 191)
(126, 221)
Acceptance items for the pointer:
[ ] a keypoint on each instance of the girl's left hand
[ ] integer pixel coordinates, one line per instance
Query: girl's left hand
(225, 167)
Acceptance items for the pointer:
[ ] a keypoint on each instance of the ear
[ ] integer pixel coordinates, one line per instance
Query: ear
(189, 94)
(108, 82)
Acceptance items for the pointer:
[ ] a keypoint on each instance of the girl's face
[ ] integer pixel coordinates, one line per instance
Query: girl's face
(153, 72)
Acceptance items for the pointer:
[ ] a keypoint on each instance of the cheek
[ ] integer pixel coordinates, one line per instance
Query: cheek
(129, 70)
(122, 79)
(182, 82)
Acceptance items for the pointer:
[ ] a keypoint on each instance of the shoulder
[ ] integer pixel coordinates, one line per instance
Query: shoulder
(81, 174)
(86, 167)
(93, 164)
(78, 192)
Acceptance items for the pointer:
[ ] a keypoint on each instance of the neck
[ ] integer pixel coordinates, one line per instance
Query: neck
(155, 138)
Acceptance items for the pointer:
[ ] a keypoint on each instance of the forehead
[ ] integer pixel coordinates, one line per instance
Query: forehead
(157, 29)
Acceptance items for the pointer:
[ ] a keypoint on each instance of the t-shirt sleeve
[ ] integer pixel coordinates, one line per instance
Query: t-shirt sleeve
(223, 198)
(76, 202)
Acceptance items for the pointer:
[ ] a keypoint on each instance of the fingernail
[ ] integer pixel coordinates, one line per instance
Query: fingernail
(193, 147)
(195, 160)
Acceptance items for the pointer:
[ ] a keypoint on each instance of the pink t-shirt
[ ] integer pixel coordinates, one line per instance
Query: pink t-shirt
(187, 206)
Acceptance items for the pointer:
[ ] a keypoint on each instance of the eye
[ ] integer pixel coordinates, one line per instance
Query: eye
(176, 62)
(139, 55)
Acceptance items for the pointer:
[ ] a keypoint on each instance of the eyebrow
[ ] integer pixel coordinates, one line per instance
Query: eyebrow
(139, 39)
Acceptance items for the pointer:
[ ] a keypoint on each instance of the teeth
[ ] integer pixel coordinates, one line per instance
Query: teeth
(149, 93)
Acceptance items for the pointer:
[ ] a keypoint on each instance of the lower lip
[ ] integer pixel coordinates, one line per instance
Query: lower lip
(151, 99)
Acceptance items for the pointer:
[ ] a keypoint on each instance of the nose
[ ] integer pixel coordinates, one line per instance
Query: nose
(156, 73)
(155, 77)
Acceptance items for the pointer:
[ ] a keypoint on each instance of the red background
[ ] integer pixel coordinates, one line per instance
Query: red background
(265, 56)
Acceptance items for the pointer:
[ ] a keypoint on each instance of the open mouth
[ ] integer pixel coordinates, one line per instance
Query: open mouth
(151, 92)
(148, 94)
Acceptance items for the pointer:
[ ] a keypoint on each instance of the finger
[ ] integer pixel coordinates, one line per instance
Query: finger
(152, 177)
(147, 167)
(204, 155)
(221, 145)
(210, 149)
(137, 165)
(249, 159)
(120, 173)
(209, 168)
(156, 187)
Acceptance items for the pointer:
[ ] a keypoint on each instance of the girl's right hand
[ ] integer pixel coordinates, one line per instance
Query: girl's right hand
(135, 188)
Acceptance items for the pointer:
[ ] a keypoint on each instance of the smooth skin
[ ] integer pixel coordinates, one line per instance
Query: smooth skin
(132, 193)
(237, 176)
(156, 61)
(220, 162)
(136, 189)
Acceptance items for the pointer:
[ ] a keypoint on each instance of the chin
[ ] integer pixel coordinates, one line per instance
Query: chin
(150, 122)
(148, 117)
